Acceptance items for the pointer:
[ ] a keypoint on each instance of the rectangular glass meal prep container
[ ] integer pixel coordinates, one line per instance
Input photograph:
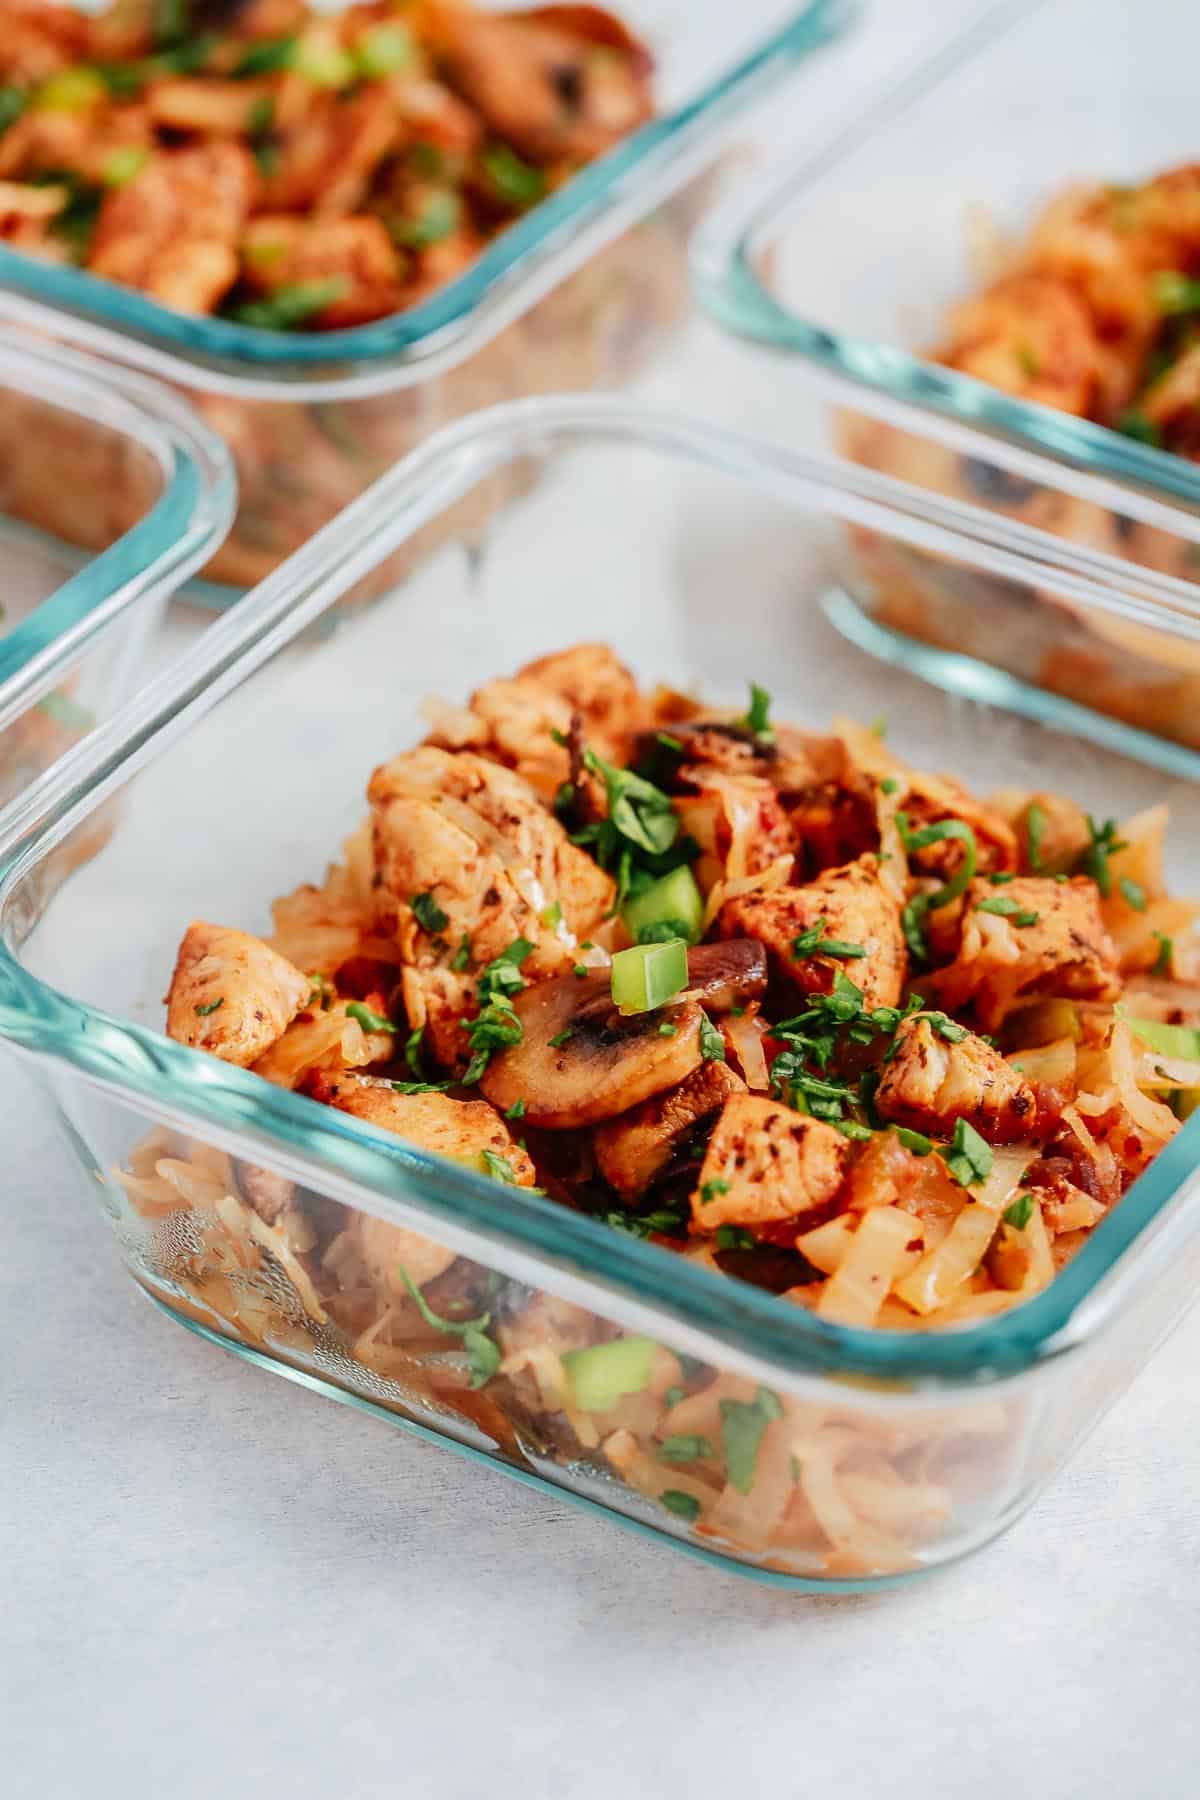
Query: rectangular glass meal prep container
(582, 291)
(702, 558)
(115, 463)
(848, 261)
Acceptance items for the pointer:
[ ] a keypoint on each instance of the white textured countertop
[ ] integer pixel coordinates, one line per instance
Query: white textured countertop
(215, 1583)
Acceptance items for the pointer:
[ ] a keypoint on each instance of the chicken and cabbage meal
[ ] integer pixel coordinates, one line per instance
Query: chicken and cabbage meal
(1096, 313)
(294, 168)
(770, 999)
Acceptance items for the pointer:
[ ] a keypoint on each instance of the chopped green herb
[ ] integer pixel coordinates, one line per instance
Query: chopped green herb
(684, 1506)
(850, 1128)
(1133, 893)
(383, 50)
(684, 1447)
(674, 1395)
(916, 1141)
(483, 1354)
(421, 1087)
(947, 1028)
(968, 1157)
(1105, 843)
(499, 1168)
(1008, 909)
(428, 913)
(517, 183)
(743, 1423)
(604, 1373)
(210, 1007)
(516, 1110)
(1166, 949)
(1174, 292)
(269, 56)
(122, 164)
(664, 1222)
(712, 1190)
(322, 993)
(1001, 877)
(370, 1021)
(1134, 424)
(462, 956)
(889, 785)
(913, 917)
(668, 742)
(12, 105)
(732, 1237)
(712, 1044)
(757, 717)
(562, 1037)
(1020, 1212)
(260, 116)
(551, 916)
(412, 1052)
(497, 1025)
(666, 1029)
(1035, 831)
(813, 943)
(290, 306)
(640, 812)
(580, 969)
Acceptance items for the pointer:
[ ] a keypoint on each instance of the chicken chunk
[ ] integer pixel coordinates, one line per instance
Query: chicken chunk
(328, 157)
(1029, 335)
(279, 252)
(231, 994)
(1050, 939)
(560, 82)
(460, 1129)
(848, 905)
(633, 1149)
(765, 1166)
(172, 230)
(1052, 831)
(929, 1082)
(520, 720)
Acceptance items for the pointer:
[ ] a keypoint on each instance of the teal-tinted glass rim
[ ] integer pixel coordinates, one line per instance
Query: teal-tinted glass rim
(727, 283)
(425, 329)
(180, 529)
(366, 1166)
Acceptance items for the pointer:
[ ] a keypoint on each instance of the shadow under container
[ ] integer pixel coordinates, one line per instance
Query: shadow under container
(581, 292)
(849, 263)
(702, 558)
(89, 454)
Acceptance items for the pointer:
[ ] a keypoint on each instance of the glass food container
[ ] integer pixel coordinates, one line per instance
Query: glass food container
(115, 463)
(578, 293)
(701, 557)
(850, 260)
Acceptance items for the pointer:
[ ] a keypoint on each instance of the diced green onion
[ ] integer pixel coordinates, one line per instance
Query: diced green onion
(268, 57)
(1175, 292)
(649, 975)
(684, 1506)
(123, 164)
(440, 215)
(383, 50)
(325, 64)
(290, 306)
(604, 1373)
(518, 183)
(70, 90)
(672, 900)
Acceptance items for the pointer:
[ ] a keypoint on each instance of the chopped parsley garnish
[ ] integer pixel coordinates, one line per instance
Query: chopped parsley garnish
(483, 1353)
(889, 785)
(1166, 949)
(743, 1423)
(1035, 831)
(732, 1237)
(914, 914)
(516, 1110)
(323, 992)
(462, 956)
(1001, 877)
(1133, 893)
(639, 841)
(1008, 909)
(562, 1037)
(412, 1052)
(666, 1029)
(684, 1447)
(1020, 1212)
(580, 970)
(499, 1168)
(712, 1190)
(428, 913)
(1174, 292)
(799, 1072)
(517, 183)
(497, 1025)
(210, 1006)
(674, 1395)
(1134, 424)
(684, 1506)
(369, 1020)
(1105, 843)
(267, 57)
(712, 1044)
(551, 916)
(757, 717)
(290, 306)
(664, 1222)
(915, 1141)
(850, 1128)
(968, 1157)
(813, 942)
(668, 742)
(420, 1087)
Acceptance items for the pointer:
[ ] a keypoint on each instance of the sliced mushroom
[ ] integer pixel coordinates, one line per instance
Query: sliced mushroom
(581, 1060)
(727, 974)
(632, 1150)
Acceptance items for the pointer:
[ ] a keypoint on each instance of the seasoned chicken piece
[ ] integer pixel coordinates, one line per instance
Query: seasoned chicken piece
(471, 844)
(929, 1082)
(279, 252)
(231, 994)
(1052, 831)
(633, 1149)
(206, 106)
(738, 821)
(519, 721)
(557, 82)
(172, 229)
(328, 157)
(849, 905)
(1062, 948)
(1029, 335)
(766, 1165)
(460, 1129)
(580, 1060)
(928, 799)
(39, 39)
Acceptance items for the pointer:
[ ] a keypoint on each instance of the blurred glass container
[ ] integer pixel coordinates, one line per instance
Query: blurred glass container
(849, 260)
(702, 557)
(96, 457)
(580, 292)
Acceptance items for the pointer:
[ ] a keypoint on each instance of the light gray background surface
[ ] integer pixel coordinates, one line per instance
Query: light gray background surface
(215, 1583)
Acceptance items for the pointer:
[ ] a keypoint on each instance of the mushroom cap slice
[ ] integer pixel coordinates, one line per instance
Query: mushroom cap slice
(728, 973)
(607, 1062)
